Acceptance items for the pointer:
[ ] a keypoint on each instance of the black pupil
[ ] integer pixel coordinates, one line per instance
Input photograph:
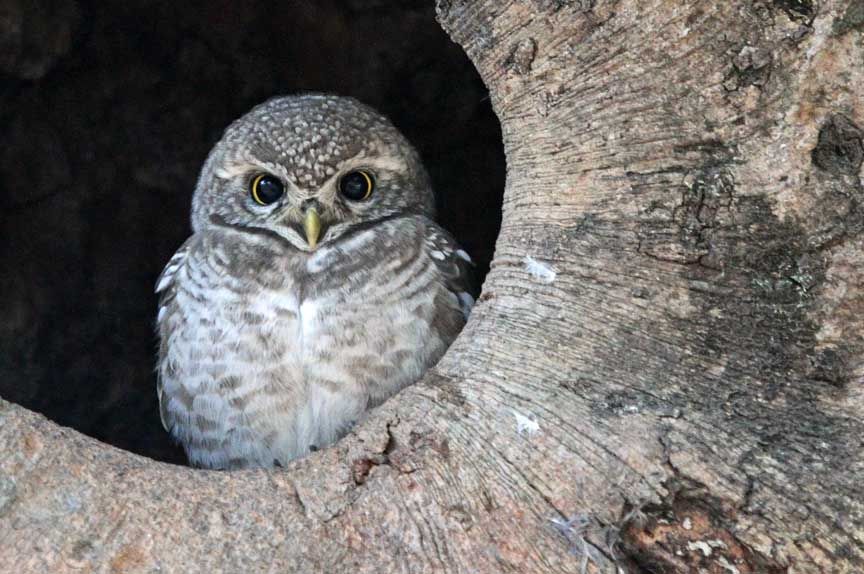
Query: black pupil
(354, 186)
(269, 189)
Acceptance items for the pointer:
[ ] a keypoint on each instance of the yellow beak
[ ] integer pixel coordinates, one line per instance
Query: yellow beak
(312, 227)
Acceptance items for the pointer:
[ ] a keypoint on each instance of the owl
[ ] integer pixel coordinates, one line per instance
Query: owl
(315, 285)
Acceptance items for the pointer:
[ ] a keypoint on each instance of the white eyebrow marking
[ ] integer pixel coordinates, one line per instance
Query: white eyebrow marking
(382, 162)
(230, 171)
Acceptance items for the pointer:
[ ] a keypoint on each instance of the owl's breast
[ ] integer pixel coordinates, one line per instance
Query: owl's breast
(370, 315)
(264, 357)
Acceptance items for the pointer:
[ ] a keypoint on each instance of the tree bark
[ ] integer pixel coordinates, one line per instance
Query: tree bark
(665, 371)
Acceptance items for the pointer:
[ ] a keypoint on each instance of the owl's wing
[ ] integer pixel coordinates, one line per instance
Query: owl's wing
(165, 288)
(166, 278)
(454, 264)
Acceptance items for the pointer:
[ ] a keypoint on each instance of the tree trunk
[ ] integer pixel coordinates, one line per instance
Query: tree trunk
(664, 372)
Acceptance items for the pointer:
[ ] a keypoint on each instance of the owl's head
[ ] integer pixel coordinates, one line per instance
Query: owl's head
(310, 168)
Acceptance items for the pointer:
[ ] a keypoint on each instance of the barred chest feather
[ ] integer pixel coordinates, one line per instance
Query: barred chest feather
(267, 352)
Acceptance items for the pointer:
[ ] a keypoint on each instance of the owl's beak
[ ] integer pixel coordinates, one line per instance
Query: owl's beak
(312, 227)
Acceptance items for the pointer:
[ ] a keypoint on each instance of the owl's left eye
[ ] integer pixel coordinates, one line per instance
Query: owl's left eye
(266, 189)
(357, 185)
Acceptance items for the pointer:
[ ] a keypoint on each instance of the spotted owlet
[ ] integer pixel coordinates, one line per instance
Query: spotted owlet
(315, 285)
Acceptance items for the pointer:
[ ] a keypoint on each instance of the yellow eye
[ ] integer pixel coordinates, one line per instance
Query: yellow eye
(266, 189)
(357, 185)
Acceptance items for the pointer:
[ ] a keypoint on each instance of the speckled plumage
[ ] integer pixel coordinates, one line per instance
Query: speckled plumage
(269, 348)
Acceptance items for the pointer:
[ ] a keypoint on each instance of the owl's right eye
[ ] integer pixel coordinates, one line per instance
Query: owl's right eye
(266, 189)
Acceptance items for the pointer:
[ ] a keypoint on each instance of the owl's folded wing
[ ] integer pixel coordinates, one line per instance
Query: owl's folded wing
(455, 266)
(166, 278)
(166, 288)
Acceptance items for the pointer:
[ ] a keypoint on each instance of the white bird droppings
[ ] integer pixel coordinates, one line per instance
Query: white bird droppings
(539, 271)
(525, 425)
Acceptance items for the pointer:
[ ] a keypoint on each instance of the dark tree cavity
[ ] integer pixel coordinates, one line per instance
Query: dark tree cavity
(107, 112)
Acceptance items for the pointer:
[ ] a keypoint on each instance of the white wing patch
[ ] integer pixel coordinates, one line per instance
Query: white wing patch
(176, 262)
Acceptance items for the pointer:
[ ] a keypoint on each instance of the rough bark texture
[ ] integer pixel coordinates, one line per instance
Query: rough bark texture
(664, 373)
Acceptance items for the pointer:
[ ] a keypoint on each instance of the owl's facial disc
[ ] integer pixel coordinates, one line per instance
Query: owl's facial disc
(311, 216)
(360, 190)
(289, 153)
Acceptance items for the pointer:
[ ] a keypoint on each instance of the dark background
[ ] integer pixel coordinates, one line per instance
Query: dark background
(107, 111)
